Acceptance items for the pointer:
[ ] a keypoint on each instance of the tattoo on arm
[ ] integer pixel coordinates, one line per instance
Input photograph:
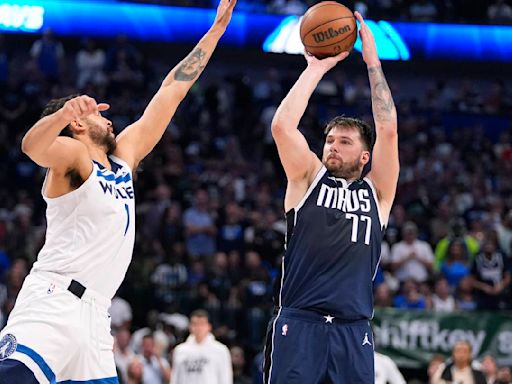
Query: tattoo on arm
(382, 101)
(191, 66)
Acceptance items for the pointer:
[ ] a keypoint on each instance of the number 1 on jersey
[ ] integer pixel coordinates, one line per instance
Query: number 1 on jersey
(355, 227)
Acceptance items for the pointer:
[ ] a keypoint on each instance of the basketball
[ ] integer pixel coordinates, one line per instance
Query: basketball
(328, 28)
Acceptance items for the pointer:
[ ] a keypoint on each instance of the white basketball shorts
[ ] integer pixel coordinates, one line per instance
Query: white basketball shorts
(58, 336)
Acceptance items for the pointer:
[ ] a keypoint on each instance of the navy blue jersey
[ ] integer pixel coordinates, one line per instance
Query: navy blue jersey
(332, 249)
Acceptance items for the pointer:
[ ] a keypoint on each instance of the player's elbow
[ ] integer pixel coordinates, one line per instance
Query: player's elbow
(27, 146)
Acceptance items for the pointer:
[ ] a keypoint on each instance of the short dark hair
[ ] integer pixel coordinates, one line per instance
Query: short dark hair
(53, 106)
(365, 130)
(200, 313)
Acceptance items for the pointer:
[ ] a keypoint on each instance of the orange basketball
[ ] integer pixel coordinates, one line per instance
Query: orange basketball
(328, 28)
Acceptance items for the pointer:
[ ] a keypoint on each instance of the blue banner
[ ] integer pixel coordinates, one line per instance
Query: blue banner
(272, 33)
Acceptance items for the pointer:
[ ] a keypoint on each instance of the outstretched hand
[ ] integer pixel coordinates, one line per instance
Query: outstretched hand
(82, 106)
(327, 63)
(370, 56)
(224, 12)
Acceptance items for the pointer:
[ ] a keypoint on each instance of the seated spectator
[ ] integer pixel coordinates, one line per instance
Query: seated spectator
(456, 265)
(423, 10)
(123, 353)
(504, 231)
(504, 375)
(120, 313)
(412, 258)
(383, 297)
(90, 62)
(200, 229)
(491, 271)
(461, 370)
(442, 300)
(464, 295)
(238, 360)
(410, 297)
(135, 372)
(499, 12)
(156, 370)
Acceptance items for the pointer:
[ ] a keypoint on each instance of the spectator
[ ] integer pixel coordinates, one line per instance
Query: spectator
(201, 359)
(504, 232)
(423, 10)
(120, 313)
(386, 370)
(123, 353)
(460, 371)
(199, 227)
(48, 53)
(412, 258)
(238, 359)
(156, 369)
(504, 376)
(410, 298)
(90, 62)
(491, 271)
(442, 300)
(136, 372)
(457, 233)
(435, 362)
(383, 297)
(464, 295)
(456, 265)
(499, 12)
(490, 368)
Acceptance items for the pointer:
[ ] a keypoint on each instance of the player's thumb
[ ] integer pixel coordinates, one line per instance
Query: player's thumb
(103, 107)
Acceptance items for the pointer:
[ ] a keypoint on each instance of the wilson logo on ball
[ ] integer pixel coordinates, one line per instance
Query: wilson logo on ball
(330, 33)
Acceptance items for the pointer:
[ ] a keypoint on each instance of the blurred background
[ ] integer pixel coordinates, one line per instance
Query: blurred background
(210, 221)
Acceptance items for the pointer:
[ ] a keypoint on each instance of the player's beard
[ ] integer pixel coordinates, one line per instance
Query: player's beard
(102, 138)
(345, 170)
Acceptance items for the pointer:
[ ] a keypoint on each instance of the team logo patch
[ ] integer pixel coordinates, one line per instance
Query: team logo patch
(284, 330)
(7, 346)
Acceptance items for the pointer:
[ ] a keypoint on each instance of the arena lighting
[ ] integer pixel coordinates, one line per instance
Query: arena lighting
(272, 33)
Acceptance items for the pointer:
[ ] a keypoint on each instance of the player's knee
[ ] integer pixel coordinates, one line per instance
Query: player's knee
(15, 372)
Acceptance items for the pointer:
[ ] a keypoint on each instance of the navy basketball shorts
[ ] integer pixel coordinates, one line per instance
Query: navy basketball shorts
(306, 347)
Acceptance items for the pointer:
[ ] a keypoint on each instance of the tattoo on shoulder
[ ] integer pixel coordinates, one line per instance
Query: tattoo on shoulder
(191, 66)
(382, 101)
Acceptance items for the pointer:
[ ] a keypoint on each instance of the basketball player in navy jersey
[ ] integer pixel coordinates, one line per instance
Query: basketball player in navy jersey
(320, 332)
(59, 329)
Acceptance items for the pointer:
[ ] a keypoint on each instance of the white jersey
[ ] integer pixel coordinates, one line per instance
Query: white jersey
(205, 363)
(91, 230)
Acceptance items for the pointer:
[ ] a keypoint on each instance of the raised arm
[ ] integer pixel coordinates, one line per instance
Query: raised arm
(138, 139)
(298, 161)
(45, 147)
(385, 163)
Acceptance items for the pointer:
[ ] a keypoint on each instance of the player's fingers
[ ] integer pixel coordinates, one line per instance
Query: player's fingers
(92, 106)
(103, 107)
(359, 18)
(342, 55)
(82, 105)
(232, 4)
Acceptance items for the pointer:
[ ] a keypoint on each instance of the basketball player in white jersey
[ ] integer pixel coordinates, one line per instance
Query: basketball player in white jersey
(59, 329)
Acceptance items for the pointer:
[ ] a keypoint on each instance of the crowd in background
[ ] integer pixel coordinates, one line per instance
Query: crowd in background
(458, 11)
(210, 222)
